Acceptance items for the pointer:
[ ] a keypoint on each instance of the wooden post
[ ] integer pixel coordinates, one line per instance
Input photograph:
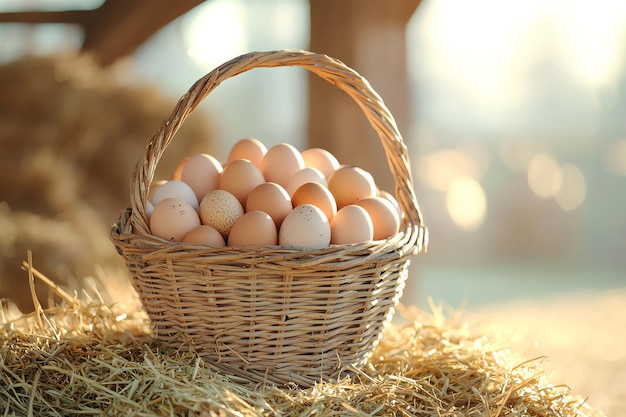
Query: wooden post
(370, 37)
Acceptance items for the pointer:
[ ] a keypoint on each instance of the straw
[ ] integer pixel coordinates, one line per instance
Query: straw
(86, 357)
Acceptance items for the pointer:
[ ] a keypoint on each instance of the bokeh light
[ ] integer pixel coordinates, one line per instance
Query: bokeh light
(466, 203)
(572, 192)
(544, 175)
(440, 169)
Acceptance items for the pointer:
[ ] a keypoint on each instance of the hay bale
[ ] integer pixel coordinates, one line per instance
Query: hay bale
(85, 356)
(71, 134)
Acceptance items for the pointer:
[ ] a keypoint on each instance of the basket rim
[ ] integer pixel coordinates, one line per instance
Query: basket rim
(330, 69)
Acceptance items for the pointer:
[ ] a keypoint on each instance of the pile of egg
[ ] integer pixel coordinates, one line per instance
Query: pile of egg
(275, 196)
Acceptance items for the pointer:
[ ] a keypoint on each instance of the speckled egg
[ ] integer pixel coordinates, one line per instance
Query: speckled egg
(305, 227)
(220, 209)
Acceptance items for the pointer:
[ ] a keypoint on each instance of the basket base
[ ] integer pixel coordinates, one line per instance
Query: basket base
(281, 369)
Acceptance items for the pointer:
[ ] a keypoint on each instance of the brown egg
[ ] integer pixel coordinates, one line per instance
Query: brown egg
(318, 195)
(272, 199)
(351, 224)
(383, 214)
(321, 159)
(305, 227)
(251, 149)
(280, 163)
(220, 209)
(303, 176)
(205, 234)
(178, 170)
(201, 172)
(349, 184)
(255, 228)
(239, 178)
(388, 196)
(172, 219)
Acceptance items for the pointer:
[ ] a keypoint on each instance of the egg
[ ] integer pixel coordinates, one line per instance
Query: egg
(280, 163)
(239, 178)
(255, 228)
(178, 170)
(318, 195)
(272, 199)
(251, 149)
(349, 184)
(303, 176)
(149, 208)
(384, 216)
(175, 189)
(351, 224)
(305, 227)
(220, 209)
(204, 234)
(153, 187)
(388, 196)
(172, 219)
(201, 172)
(321, 159)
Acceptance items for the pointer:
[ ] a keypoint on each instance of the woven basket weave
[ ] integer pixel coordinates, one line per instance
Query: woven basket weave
(272, 314)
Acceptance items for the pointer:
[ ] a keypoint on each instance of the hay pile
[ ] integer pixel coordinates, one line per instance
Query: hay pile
(84, 356)
(71, 133)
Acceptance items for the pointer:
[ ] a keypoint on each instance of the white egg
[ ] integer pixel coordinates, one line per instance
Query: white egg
(303, 176)
(176, 189)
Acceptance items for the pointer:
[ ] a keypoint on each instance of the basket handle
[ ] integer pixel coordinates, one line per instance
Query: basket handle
(331, 70)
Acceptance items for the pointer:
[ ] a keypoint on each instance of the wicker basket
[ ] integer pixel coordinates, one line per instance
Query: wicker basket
(272, 314)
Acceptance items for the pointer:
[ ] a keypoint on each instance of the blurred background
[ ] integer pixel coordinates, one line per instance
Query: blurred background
(514, 114)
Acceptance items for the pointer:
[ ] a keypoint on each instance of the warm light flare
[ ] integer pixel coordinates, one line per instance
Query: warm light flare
(565, 183)
(466, 203)
(544, 175)
(214, 33)
(439, 169)
(573, 190)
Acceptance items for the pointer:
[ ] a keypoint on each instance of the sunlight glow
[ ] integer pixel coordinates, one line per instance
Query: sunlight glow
(439, 169)
(214, 33)
(479, 42)
(494, 49)
(593, 32)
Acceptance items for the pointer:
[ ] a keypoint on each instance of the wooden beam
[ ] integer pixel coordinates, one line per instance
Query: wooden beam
(116, 28)
(122, 26)
(64, 16)
(370, 37)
